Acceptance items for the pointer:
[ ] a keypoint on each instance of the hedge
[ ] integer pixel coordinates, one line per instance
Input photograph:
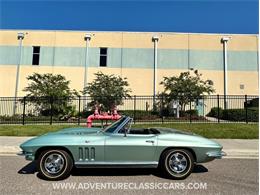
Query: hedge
(214, 112)
(140, 114)
(252, 103)
(235, 114)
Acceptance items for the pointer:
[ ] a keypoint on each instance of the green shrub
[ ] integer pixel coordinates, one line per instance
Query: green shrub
(253, 108)
(240, 115)
(142, 114)
(214, 112)
(253, 114)
(235, 114)
(187, 113)
(86, 113)
(28, 118)
(165, 112)
(139, 114)
(252, 103)
(192, 112)
(6, 118)
(66, 110)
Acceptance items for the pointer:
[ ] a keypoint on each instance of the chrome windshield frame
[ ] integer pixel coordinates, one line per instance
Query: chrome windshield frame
(123, 123)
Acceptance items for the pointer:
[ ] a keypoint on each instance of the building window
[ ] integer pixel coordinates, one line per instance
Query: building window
(36, 55)
(103, 57)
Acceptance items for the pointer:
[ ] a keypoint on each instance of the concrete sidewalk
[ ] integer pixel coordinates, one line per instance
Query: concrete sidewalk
(240, 148)
(235, 148)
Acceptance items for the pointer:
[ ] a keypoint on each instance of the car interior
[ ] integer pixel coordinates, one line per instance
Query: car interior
(141, 131)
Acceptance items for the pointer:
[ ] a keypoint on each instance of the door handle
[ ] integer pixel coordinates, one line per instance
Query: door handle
(87, 141)
(149, 141)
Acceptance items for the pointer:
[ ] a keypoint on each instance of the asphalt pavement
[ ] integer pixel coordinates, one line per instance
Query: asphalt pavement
(224, 176)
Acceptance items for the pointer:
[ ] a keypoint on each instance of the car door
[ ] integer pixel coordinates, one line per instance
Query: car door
(130, 148)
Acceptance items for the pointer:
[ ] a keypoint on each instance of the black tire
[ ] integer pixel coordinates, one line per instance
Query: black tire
(168, 166)
(64, 166)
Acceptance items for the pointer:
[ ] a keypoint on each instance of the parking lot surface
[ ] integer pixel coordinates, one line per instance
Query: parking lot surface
(225, 176)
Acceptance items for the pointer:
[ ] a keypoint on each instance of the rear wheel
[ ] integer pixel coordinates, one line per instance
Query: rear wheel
(177, 163)
(54, 164)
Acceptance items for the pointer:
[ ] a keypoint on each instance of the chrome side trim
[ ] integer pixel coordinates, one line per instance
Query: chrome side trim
(216, 154)
(103, 164)
(21, 153)
(86, 154)
(80, 153)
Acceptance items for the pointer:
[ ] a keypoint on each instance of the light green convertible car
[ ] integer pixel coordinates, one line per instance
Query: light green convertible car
(119, 145)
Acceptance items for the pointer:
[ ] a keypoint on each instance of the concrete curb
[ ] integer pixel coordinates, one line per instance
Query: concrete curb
(235, 148)
(250, 154)
(9, 149)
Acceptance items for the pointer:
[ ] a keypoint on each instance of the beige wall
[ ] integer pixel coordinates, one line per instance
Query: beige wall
(130, 40)
(140, 80)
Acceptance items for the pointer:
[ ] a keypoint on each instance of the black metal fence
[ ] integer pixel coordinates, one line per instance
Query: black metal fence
(143, 109)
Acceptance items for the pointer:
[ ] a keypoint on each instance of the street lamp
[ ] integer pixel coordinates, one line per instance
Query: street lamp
(224, 40)
(87, 38)
(155, 39)
(20, 37)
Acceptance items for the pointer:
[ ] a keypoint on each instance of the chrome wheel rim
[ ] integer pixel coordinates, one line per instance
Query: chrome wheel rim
(54, 163)
(178, 162)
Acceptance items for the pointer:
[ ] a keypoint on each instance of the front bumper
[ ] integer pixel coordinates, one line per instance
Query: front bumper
(216, 154)
(27, 155)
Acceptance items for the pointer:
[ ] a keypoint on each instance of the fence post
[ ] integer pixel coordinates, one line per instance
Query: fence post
(190, 111)
(51, 101)
(162, 108)
(79, 112)
(134, 108)
(218, 109)
(24, 99)
(246, 108)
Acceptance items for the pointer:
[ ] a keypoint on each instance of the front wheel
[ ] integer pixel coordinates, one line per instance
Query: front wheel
(177, 163)
(54, 164)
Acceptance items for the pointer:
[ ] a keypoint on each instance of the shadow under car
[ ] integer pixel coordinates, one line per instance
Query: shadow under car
(30, 168)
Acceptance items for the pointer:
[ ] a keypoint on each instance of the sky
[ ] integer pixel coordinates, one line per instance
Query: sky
(195, 16)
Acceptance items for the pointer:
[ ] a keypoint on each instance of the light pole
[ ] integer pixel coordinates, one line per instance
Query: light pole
(87, 38)
(224, 40)
(20, 37)
(155, 39)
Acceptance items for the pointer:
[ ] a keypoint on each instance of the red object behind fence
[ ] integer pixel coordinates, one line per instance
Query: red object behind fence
(97, 116)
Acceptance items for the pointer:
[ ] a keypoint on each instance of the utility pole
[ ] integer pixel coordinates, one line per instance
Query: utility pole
(224, 40)
(87, 38)
(155, 39)
(20, 37)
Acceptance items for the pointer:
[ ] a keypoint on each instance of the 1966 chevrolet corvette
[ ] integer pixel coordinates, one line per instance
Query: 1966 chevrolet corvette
(119, 145)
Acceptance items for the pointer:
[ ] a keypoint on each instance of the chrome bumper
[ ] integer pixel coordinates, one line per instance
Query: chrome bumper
(21, 153)
(27, 155)
(218, 154)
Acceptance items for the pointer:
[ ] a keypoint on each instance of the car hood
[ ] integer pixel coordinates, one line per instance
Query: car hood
(77, 131)
(63, 137)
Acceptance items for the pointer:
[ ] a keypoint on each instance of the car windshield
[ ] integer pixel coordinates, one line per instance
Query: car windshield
(126, 128)
(111, 128)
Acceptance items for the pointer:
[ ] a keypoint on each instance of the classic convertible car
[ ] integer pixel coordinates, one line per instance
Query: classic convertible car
(119, 145)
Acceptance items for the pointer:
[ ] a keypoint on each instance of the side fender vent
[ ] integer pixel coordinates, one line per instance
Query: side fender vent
(87, 154)
(92, 155)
